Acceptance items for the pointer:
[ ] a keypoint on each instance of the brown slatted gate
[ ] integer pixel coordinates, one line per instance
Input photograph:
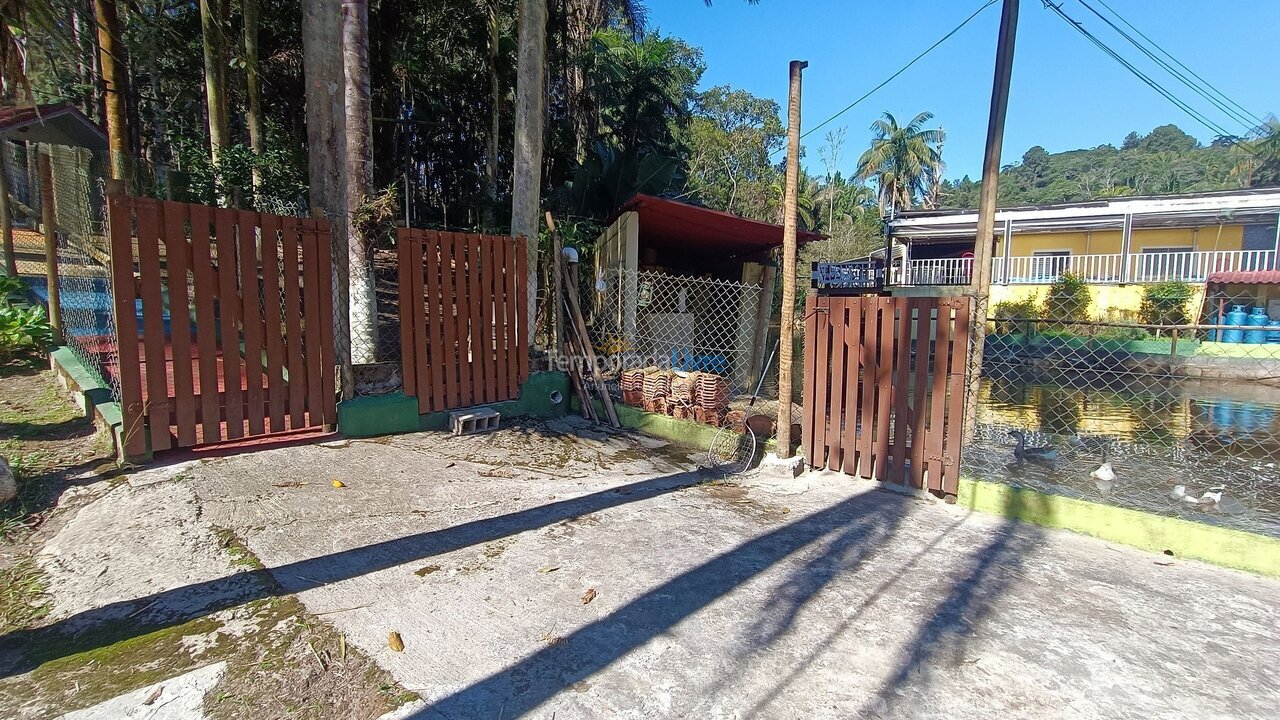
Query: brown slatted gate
(463, 310)
(884, 384)
(233, 336)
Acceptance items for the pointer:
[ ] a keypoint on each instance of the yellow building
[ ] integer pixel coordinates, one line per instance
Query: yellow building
(1117, 245)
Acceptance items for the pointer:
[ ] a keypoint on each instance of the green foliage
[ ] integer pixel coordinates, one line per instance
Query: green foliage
(1165, 303)
(204, 181)
(1068, 298)
(1166, 160)
(731, 137)
(1006, 313)
(903, 159)
(24, 329)
(610, 177)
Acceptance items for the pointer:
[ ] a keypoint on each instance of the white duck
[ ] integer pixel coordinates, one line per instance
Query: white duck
(1211, 496)
(1104, 477)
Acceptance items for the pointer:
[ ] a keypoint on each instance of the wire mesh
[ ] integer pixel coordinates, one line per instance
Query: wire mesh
(24, 207)
(1177, 420)
(693, 332)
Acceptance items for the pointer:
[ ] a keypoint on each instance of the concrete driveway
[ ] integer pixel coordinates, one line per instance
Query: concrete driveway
(553, 570)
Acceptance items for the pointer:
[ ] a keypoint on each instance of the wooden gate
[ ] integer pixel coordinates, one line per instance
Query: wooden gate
(234, 335)
(884, 385)
(463, 317)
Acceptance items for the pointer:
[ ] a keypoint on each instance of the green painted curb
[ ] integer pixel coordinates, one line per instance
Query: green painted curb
(94, 395)
(689, 433)
(396, 413)
(1184, 539)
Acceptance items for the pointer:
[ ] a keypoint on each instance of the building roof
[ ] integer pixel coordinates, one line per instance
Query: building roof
(1236, 207)
(1245, 277)
(692, 228)
(59, 124)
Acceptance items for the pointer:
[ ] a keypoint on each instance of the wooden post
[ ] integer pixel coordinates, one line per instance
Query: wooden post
(789, 261)
(557, 299)
(980, 288)
(49, 221)
(6, 215)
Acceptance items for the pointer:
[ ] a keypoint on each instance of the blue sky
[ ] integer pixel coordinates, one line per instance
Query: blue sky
(1066, 94)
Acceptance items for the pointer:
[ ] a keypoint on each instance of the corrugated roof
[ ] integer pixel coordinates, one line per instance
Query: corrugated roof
(58, 124)
(1246, 277)
(696, 229)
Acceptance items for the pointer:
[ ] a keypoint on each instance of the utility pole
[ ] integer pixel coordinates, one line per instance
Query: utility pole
(980, 288)
(789, 261)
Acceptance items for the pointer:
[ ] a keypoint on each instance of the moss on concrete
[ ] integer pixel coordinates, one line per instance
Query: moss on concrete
(1180, 538)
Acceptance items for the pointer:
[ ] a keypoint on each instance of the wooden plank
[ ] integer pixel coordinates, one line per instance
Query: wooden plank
(510, 344)
(404, 301)
(821, 393)
(884, 382)
(271, 312)
(153, 334)
(422, 370)
(901, 382)
(229, 307)
(835, 406)
(251, 318)
(522, 306)
(957, 386)
(314, 288)
(452, 274)
(849, 435)
(467, 293)
(495, 320)
(937, 395)
(920, 390)
(868, 341)
(206, 291)
(176, 262)
(124, 299)
(428, 309)
(503, 358)
(290, 230)
(328, 383)
(808, 401)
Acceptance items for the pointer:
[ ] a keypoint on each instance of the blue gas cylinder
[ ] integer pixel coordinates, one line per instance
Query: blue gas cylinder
(1257, 319)
(1236, 318)
(1273, 331)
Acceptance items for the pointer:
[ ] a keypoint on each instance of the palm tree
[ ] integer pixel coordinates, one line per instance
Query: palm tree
(902, 159)
(640, 88)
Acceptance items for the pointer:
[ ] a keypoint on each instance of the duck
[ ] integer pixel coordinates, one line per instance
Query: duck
(1211, 496)
(1091, 442)
(1043, 454)
(1104, 477)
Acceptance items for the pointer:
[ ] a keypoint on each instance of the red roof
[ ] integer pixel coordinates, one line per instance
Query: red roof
(58, 124)
(1246, 277)
(674, 224)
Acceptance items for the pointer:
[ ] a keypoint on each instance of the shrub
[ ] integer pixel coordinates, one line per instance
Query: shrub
(23, 328)
(1165, 303)
(1068, 299)
(1004, 312)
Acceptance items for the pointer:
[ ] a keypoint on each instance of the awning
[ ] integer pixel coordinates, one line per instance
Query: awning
(1245, 277)
(60, 124)
(692, 229)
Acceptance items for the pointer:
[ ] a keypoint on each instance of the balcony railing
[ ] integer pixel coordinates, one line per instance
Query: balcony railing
(1095, 269)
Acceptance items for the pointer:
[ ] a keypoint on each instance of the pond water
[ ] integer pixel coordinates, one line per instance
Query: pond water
(1157, 433)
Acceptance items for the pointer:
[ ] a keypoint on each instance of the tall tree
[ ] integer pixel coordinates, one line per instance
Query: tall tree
(213, 19)
(493, 22)
(253, 91)
(530, 115)
(326, 143)
(901, 159)
(359, 158)
(115, 88)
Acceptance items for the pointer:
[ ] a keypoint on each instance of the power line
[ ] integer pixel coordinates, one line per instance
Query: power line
(1224, 106)
(1180, 64)
(1079, 27)
(892, 77)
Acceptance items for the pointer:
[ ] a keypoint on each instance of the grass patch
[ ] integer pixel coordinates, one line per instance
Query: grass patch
(22, 596)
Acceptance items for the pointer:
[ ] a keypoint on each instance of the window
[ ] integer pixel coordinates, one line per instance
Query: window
(1165, 263)
(1049, 264)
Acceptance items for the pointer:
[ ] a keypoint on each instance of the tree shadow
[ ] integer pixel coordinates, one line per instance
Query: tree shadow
(528, 683)
(24, 650)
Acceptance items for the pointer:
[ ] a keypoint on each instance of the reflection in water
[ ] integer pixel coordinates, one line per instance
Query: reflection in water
(1157, 433)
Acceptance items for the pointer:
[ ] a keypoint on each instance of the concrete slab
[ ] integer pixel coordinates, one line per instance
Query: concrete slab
(531, 572)
(561, 570)
(178, 698)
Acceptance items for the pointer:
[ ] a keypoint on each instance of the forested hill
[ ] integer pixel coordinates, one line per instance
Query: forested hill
(1164, 161)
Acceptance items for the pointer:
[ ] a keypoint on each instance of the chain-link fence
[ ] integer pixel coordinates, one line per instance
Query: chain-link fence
(1178, 420)
(23, 182)
(661, 337)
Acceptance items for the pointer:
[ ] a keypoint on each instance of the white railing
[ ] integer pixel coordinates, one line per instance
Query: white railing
(1095, 269)
(943, 271)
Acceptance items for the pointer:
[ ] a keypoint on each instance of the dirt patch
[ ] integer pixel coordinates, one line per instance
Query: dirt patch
(740, 501)
(49, 444)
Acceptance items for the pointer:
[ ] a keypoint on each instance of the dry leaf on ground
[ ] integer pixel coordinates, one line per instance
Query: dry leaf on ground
(588, 596)
(394, 642)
